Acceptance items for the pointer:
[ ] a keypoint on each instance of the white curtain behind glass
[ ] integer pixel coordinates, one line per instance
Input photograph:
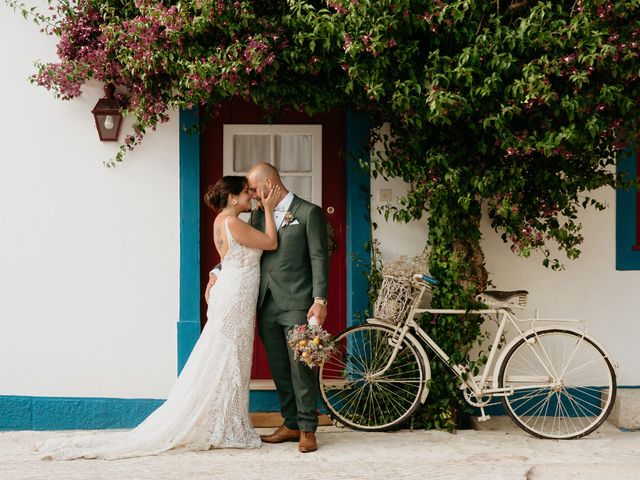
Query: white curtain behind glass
(250, 149)
(292, 157)
(292, 153)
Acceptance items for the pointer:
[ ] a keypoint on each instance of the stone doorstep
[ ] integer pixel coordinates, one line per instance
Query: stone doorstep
(271, 419)
(626, 411)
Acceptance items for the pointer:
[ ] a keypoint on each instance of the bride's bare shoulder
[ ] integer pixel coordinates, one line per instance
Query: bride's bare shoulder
(219, 222)
(235, 222)
(237, 226)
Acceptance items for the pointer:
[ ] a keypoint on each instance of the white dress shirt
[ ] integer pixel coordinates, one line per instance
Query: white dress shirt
(281, 209)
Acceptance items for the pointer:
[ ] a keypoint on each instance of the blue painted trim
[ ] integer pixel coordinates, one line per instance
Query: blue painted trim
(495, 410)
(626, 258)
(498, 409)
(82, 413)
(264, 401)
(189, 321)
(52, 413)
(358, 228)
(78, 413)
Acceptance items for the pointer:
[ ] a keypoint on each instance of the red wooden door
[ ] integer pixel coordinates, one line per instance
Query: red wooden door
(333, 199)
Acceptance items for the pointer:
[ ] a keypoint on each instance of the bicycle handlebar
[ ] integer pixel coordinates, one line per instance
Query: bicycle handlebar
(420, 277)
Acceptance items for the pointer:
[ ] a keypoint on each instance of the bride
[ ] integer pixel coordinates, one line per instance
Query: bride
(208, 405)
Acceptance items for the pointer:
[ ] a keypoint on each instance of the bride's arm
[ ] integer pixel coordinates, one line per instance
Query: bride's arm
(252, 237)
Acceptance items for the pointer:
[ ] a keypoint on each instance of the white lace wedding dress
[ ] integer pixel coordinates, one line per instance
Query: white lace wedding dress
(208, 405)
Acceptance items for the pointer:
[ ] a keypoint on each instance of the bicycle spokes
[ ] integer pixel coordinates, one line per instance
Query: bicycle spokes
(362, 389)
(563, 384)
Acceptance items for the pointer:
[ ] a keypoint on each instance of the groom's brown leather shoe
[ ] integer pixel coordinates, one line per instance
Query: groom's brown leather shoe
(282, 434)
(307, 442)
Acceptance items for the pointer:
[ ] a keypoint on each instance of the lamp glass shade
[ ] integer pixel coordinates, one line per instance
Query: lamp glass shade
(108, 118)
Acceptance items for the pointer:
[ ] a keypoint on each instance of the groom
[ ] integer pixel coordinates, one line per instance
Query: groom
(293, 288)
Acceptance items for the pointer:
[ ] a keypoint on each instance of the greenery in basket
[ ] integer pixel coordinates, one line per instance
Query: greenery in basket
(518, 105)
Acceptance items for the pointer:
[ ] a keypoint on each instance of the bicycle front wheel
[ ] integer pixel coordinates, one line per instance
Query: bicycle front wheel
(357, 389)
(563, 384)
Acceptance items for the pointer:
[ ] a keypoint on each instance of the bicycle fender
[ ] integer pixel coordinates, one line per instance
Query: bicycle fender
(508, 346)
(416, 343)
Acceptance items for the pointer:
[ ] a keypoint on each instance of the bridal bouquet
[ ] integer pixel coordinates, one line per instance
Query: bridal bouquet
(311, 344)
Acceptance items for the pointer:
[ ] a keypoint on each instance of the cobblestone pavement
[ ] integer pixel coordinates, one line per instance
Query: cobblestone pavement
(500, 451)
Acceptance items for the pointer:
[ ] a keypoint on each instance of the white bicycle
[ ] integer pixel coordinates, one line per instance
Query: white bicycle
(554, 380)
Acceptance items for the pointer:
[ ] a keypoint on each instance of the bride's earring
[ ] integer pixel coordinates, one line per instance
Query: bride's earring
(235, 202)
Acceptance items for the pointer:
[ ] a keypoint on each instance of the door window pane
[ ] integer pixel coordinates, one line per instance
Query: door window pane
(299, 185)
(250, 149)
(292, 152)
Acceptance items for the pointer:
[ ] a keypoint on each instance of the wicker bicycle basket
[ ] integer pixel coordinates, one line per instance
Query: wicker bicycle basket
(394, 299)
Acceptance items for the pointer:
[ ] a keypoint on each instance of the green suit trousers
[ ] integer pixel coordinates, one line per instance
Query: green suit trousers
(296, 382)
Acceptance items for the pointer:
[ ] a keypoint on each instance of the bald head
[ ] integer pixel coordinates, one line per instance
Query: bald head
(262, 177)
(261, 171)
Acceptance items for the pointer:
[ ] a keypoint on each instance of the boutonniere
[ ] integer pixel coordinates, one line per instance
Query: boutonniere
(288, 218)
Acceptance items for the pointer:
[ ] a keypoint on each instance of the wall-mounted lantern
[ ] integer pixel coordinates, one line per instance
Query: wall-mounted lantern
(107, 115)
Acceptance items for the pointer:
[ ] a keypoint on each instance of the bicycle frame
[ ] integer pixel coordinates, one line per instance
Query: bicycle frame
(483, 385)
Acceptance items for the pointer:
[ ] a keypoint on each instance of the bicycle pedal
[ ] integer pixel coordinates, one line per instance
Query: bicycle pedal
(483, 417)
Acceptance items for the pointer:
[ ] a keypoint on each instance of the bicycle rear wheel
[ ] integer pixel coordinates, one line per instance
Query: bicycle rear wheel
(564, 384)
(352, 392)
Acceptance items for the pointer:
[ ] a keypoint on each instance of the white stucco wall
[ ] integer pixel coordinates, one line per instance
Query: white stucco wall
(589, 288)
(395, 238)
(89, 256)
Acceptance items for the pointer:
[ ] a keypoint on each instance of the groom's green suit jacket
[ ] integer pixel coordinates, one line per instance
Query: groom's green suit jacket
(299, 269)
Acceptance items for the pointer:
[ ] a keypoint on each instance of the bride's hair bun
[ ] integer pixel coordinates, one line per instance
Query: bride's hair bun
(218, 194)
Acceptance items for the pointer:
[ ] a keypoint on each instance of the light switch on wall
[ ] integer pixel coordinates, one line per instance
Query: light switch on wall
(384, 195)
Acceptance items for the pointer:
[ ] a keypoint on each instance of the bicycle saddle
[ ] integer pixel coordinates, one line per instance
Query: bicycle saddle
(503, 296)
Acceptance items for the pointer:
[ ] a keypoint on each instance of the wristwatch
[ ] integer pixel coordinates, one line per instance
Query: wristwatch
(320, 300)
